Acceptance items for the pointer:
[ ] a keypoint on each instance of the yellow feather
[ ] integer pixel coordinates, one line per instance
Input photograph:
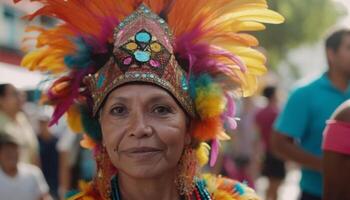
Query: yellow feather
(203, 153)
(246, 26)
(223, 195)
(223, 136)
(74, 119)
(253, 14)
(208, 105)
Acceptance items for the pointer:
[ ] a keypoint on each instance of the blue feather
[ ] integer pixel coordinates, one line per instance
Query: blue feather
(82, 57)
(239, 188)
(202, 81)
(91, 126)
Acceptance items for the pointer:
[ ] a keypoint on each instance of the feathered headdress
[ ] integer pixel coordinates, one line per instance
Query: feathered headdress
(198, 50)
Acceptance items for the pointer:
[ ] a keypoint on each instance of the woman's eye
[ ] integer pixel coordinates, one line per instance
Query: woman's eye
(119, 111)
(162, 110)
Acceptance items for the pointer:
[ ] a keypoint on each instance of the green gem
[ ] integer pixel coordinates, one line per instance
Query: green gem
(184, 83)
(100, 81)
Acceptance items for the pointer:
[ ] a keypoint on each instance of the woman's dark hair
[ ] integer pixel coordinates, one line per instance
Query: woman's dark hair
(3, 87)
(334, 41)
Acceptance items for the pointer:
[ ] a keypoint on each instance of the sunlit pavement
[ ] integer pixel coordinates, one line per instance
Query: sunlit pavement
(289, 189)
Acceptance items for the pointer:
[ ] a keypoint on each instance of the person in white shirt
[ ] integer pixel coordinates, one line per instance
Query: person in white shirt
(14, 122)
(19, 181)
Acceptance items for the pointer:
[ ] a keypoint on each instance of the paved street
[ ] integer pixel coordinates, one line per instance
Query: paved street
(288, 191)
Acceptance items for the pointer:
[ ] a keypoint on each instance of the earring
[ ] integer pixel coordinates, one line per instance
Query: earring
(187, 171)
(105, 171)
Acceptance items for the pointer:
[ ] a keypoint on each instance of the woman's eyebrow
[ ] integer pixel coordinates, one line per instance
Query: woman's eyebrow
(119, 99)
(158, 98)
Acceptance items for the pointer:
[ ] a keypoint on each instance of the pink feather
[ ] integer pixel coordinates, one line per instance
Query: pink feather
(230, 105)
(99, 42)
(231, 122)
(64, 103)
(196, 53)
(214, 152)
(230, 112)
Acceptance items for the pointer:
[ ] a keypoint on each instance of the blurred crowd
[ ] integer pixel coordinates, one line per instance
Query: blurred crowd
(39, 161)
(310, 128)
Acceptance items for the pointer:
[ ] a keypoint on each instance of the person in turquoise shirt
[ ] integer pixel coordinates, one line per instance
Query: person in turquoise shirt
(299, 127)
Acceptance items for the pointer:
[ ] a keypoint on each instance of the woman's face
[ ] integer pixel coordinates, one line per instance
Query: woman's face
(144, 130)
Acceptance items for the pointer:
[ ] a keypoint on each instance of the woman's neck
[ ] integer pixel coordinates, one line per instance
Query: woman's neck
(162, 188)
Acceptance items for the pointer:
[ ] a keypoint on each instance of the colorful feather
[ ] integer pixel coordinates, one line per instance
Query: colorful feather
(214, 152)
(211, 44)
(208, 129)
(202, 153)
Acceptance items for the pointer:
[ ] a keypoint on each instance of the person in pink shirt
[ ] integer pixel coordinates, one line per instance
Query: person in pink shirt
(273, 168)
(336, 154)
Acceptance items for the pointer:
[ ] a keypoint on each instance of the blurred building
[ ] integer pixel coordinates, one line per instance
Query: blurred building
(11, 36)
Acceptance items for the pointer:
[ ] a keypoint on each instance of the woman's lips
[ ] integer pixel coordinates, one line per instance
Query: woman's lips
(141, 152)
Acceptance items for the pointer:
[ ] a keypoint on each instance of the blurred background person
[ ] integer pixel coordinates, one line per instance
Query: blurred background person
(273, 168)
(75, 162)
(49, 156)
(19, 181)
(246, 148)
(13, 120)
(336, 154)
(300, 125)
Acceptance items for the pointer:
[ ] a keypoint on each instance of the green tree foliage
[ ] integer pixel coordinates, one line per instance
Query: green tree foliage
(306, 21)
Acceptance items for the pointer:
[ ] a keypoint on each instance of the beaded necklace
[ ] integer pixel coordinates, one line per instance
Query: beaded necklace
(199, 193)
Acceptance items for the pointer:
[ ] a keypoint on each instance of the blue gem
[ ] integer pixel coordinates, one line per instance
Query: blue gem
(100, 81)
(137, 75)
(143, 37)
(142, 56)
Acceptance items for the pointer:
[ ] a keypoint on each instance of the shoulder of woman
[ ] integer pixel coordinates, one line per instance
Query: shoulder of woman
(222, 188)
(343, 112)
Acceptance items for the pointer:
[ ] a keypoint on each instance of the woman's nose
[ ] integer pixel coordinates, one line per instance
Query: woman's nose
(139, 127)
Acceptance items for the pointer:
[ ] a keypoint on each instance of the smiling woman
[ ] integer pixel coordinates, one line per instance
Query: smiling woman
(144, 133)
(151, 83)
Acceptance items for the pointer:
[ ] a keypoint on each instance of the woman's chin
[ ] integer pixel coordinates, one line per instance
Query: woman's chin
(144, 172)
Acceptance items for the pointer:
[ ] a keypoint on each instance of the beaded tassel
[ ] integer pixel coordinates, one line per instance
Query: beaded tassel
(187, 171)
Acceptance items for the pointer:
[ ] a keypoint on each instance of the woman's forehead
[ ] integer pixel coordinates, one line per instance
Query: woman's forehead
(139, 90)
